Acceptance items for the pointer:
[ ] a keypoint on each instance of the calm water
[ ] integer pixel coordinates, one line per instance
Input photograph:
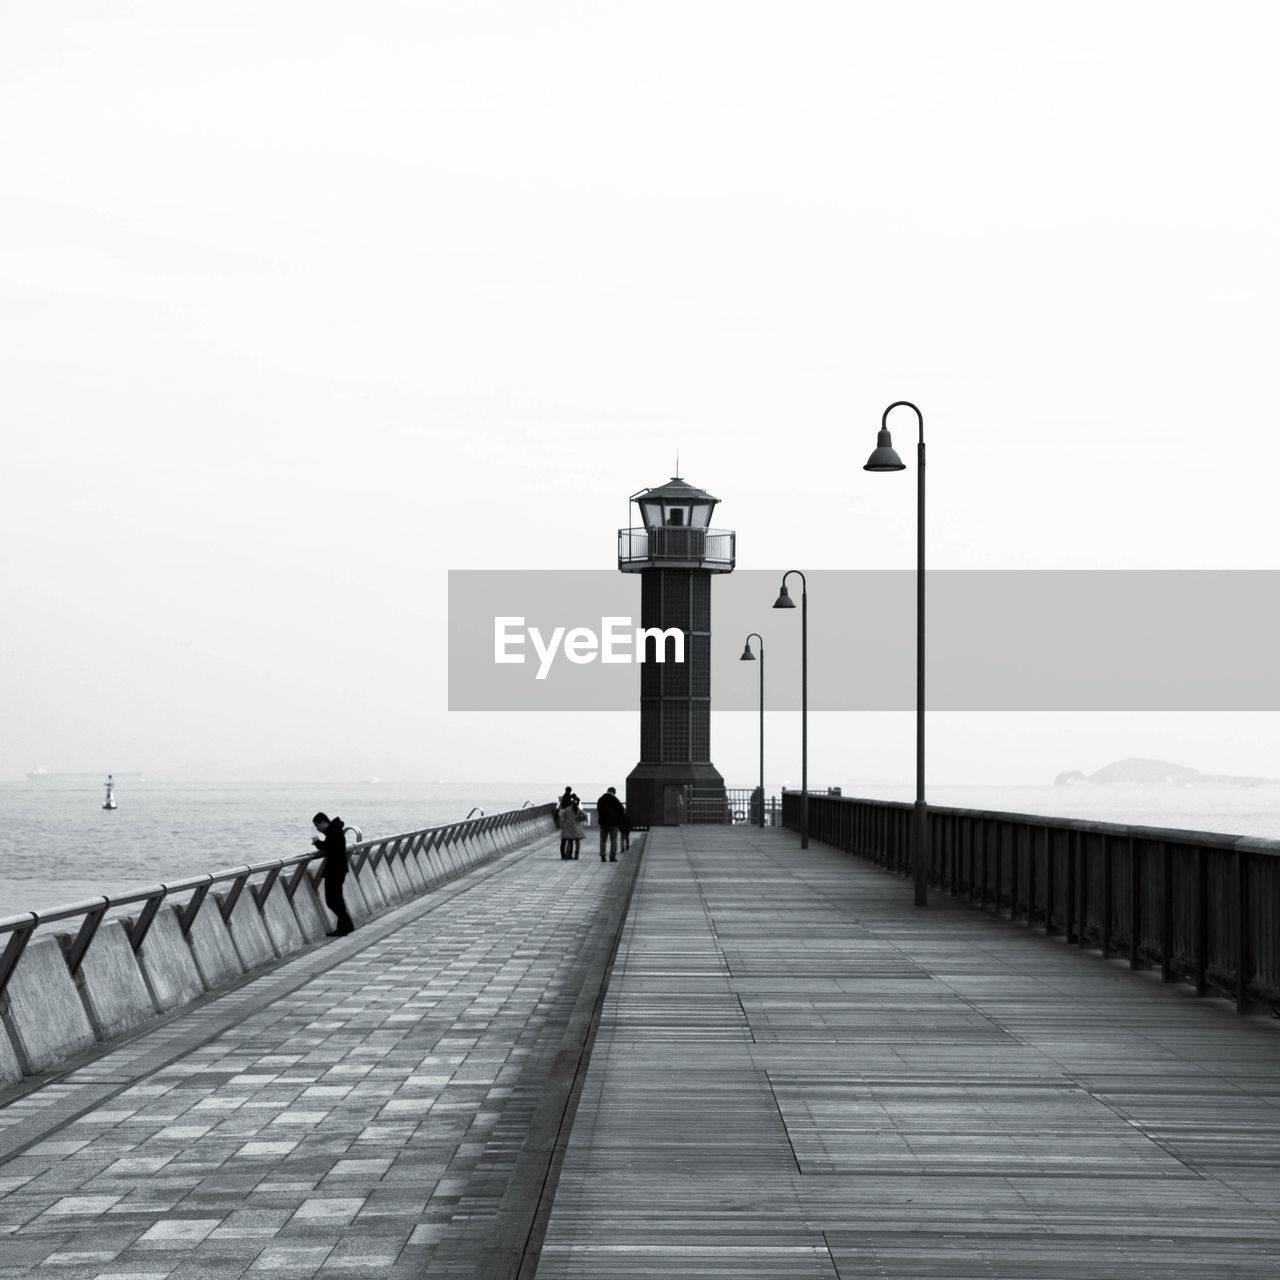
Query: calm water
(57, 845)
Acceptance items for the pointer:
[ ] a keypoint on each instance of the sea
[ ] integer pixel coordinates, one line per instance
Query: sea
(58, 846)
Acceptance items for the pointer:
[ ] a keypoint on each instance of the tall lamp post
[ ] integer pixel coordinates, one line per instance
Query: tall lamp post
(748, 656)
(885, 458)
(784, 601)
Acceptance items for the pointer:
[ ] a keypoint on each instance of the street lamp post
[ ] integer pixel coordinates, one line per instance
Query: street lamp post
(784, 601)
(884, 458)
(748, 656)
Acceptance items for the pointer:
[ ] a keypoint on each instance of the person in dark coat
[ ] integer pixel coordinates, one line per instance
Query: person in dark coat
(611, 815)
(332, 843)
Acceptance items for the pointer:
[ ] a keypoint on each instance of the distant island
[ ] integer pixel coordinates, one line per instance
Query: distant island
(1138, 771)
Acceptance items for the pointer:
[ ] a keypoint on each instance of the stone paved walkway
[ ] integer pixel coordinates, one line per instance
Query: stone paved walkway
(799, 1074)
(362, 1109)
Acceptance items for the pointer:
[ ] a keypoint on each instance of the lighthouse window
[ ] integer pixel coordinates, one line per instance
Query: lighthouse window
(676, 515)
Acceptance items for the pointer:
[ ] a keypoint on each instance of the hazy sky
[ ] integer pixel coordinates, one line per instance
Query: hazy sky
(302, 305)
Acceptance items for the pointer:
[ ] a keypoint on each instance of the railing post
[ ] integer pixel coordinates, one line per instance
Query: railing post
(997, 829)
(1083, 846)
(933, 833)
(228, 904)
(1031, 874)
(972, 851)
(1070, 932)
(139, 929)
(1135, 906)
(1050, 883)
(982, 882)
(76, 950)
(19, 936)
(261, 892)
(1105, 922)
(293, 881)
(1200, 956)
(1015, 850)
(1242, 932)
(1166, 912)
(194, 903)
(958, 826)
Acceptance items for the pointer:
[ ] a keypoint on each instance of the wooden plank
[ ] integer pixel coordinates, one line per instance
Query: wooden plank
(797, 1070)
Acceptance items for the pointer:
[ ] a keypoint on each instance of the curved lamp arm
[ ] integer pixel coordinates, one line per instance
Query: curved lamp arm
(903, 404)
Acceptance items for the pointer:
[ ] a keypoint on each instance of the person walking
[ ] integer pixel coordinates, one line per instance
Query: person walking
(572, 825)
(611, 815)
(332, 843)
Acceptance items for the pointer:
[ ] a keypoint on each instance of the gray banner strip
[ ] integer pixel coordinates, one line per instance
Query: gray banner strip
(998, 640)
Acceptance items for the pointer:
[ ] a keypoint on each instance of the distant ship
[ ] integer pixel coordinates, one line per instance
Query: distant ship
(37, 774)
(110, 801)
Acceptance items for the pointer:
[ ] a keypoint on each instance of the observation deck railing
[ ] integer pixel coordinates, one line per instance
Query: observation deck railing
(688, 546)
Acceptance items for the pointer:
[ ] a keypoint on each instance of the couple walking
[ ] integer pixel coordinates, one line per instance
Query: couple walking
(611, 814)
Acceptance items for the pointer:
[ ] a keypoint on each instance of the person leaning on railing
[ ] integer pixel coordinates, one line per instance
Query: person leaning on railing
(332, 842)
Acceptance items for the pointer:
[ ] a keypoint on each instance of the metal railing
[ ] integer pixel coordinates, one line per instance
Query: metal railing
(734, 806)
(1203, 907)
(260, 878)
(676, 544)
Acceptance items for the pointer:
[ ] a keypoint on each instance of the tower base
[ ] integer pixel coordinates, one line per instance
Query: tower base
(655, 792)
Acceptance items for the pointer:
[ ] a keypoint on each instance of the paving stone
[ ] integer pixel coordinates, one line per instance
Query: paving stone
(264, 1148)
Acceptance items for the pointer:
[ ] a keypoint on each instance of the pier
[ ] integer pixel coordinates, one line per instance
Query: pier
(722, 1055)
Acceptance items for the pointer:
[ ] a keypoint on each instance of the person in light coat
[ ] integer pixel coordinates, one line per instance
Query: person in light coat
(573, 823)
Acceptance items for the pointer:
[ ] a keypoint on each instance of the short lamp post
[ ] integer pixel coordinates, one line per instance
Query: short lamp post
(748, 656)
(784, 601)
(885, 458)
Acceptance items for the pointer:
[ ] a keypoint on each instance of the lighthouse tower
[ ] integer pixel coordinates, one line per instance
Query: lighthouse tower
(675, 552)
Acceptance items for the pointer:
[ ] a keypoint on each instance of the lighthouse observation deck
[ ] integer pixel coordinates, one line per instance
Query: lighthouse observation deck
(675, 547)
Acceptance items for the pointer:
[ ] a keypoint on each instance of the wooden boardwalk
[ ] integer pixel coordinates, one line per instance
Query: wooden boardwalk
(798, 1074)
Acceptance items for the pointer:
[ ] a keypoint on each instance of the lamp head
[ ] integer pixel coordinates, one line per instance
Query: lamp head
(747, 655)
(884, 457)
(784, 600)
